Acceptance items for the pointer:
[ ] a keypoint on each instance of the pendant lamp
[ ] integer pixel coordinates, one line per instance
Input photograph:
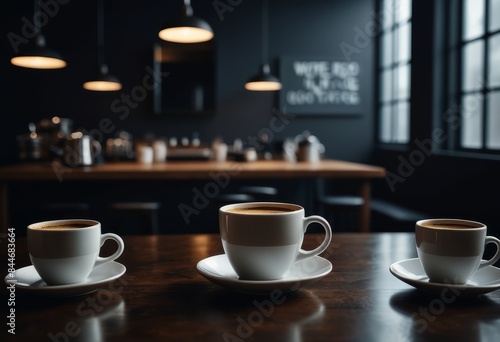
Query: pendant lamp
(264, 80)
(102, 81)
(39, 56)
(187, 28)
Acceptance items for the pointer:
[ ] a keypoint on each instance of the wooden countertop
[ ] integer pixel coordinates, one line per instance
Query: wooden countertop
(191, 170)
(162, 297)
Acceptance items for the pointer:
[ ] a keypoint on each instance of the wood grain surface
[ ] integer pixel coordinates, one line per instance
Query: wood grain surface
(162, 297)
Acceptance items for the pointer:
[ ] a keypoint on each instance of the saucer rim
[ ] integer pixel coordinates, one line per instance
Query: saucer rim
(68, 290)
(260, 286)
(433, 287)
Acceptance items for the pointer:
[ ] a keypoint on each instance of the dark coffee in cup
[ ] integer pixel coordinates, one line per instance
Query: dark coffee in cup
(62, 226)
(448, 225)
(259, 210)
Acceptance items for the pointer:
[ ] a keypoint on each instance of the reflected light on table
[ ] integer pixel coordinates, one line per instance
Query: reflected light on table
(200, 247)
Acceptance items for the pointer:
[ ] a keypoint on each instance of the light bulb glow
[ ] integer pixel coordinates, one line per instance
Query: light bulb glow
(263, 86)
(102, 86)
(38, 62)
(185, 34)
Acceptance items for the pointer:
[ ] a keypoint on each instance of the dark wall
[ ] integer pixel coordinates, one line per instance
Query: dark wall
(440, 186)
(313, 28)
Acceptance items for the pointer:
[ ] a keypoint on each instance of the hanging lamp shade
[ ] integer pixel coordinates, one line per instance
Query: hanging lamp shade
(38, 56)
(264, 80)
(187, 28)
(102, 80)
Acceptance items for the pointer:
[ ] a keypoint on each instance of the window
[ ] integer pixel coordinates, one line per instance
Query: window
(394, 71)
(479, 76)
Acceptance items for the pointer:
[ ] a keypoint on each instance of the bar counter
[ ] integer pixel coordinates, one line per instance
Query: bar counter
(362, 174)
(163, 297)
(191, 170)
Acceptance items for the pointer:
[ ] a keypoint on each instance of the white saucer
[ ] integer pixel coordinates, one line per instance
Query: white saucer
(27, 279)
(218, 270)
(411, 272)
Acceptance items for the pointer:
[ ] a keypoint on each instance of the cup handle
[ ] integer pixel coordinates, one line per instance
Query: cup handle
(115, 255)
(324, 245)
(485, 263)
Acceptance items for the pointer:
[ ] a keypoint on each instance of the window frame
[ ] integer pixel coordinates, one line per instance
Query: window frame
(394, 66)
(433, 72)
(456, 73)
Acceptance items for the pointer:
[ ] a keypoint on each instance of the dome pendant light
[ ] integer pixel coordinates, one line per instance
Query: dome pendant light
(264, 80)
(102, 81)
(39, 56)
(187, 28)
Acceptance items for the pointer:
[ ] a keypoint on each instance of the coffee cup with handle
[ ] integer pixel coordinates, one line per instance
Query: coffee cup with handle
(263, 240)
(66, 251)
(451, 250)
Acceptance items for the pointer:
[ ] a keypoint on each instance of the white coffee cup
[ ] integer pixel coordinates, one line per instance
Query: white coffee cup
(451, 250)
(159, 151)
(66, 251)
(220, 152)
(145, 154)
(262, 240)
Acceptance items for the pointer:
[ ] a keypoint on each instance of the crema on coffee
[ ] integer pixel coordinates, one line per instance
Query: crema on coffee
(260, 210)
(448, 225)
(62, 226)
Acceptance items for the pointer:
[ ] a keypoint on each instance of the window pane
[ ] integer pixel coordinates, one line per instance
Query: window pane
(387, 13)
(394, 70)
(402, 117)
(494, 61)
(386, 85)
(403, 82)
(473, 18)
(493, 138)
(385, 123)
(494, 15)
(403, 10)
(404, 42)
(472, 123)
(386, 50)
(472, 67)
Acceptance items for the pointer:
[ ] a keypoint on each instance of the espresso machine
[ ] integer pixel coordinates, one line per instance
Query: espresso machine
(45, 139)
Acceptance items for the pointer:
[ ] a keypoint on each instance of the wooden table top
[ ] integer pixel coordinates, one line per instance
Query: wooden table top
(191, 170)
(162, 297)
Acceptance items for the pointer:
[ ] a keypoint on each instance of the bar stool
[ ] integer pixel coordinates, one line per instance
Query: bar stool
(338, 205)
(341, 211)
(135, 217)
